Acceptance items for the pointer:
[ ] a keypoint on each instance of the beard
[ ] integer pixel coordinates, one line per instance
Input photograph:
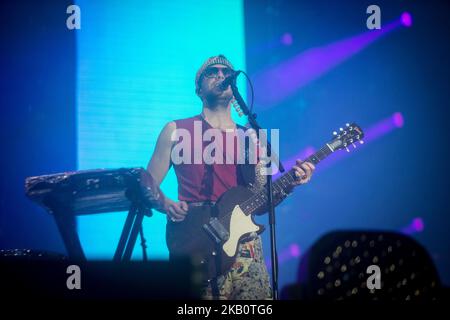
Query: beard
(217, 97)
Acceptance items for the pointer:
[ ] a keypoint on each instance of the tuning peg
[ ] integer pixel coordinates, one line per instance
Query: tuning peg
(346, 148)
(347, 124)
(354, 146)
(334, 133)
(340, 129)
(361, 141)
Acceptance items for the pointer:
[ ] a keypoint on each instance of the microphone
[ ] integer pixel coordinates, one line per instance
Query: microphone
(228, 80)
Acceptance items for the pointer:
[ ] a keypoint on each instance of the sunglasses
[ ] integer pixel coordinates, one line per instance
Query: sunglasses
(213, 72)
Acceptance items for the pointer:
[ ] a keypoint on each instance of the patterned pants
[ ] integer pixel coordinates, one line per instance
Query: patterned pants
(247, 279)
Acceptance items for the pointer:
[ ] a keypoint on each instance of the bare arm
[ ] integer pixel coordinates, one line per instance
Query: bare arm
(158, 167)
(159, 164)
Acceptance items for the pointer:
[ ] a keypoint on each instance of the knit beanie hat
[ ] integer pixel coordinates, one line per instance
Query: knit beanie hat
(220, 59)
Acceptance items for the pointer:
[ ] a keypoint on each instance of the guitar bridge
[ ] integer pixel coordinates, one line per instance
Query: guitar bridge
(216, 230)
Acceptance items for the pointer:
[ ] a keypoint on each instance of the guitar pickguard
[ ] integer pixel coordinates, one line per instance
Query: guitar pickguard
(240, 224)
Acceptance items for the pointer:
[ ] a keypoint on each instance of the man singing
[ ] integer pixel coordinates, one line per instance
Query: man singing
(201, 184)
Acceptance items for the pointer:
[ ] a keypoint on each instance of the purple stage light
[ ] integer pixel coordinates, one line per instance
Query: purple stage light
(286, 39)
(384, 126)
(377, 130)
(406, 19)
(275, 43)
(295, 250)
(286, 254)
(281, 81)
(397, 119)
(416, 225)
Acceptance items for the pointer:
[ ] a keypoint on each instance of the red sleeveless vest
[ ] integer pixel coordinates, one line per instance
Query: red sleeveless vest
(204, 182)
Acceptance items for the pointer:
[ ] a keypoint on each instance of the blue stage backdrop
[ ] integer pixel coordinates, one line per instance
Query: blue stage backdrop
(136, 68)
(315, 66)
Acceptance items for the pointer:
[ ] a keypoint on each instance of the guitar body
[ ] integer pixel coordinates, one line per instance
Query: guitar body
(211, 235)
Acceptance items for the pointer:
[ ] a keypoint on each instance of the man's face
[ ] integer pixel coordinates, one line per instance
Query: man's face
(211, 77)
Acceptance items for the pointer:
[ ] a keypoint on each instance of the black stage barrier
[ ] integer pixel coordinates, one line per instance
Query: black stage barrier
(342, 265)
(28, 274)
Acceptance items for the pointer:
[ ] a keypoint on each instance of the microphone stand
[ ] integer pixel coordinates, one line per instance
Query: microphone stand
(273, 248)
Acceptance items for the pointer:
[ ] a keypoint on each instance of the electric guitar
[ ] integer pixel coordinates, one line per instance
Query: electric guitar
(212, 237)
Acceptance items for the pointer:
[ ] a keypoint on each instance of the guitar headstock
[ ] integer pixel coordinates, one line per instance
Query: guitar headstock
(346, 136)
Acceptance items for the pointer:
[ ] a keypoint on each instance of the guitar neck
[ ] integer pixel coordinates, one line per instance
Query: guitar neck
(284, 183)
(286, 180)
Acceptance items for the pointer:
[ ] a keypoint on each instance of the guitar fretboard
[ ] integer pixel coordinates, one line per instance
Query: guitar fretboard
(282, 184)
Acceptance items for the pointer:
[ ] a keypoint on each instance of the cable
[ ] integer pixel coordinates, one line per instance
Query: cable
(251, 87)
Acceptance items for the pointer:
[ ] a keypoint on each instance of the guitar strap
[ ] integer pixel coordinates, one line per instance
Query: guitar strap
(245, 172)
